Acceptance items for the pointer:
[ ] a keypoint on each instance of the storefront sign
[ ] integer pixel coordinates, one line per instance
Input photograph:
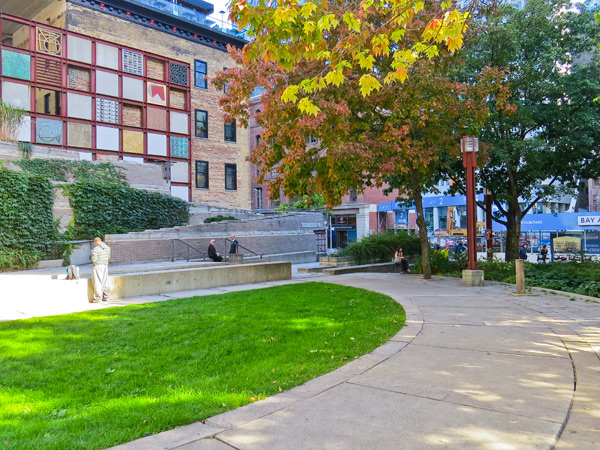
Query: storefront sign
(583, 221)
(338, 227)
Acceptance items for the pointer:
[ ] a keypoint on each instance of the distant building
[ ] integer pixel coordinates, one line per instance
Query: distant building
(128, 80)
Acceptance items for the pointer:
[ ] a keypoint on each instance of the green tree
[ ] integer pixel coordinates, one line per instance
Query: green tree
(396, 134)
(545, 138)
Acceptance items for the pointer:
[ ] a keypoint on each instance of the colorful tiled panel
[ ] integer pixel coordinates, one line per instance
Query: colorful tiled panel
(79, 106)
(179, 172)
(133, 89)
(16, 65)
(182, 192)
(49, 131)
(157, 94)
(179, 123)
(24, 133)
(107, 138)
(49, 42)
(107, 56)
(79, 79)
(177, 99)
(156, 118)
(155, 68)
(133, 62)
(79, 49)
(157, 144)
(107, 110)
(79, 135)
(107, 83)
(16, 94)
(132, 115)
(48, 71)
(133, 141)
(178, 74)
(179, 147)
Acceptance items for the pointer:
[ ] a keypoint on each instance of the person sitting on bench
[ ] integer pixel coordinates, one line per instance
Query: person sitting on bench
(212, 252)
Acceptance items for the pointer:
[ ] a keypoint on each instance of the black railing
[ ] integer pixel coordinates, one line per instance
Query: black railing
(238, 245)
(188, 247)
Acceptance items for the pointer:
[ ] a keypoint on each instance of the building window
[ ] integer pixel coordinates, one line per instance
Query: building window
(230, 177)
(353, 195)
(200, 75)
(201, 124)
(226, 84)
(201, 174)
(258, 138)
(230, 131)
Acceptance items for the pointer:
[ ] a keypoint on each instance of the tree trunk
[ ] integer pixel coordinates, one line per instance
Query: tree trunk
(513, 231)
(418, 197)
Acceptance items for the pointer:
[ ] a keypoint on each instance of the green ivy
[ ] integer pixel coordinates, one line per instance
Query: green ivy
(59, 169)
(26, 201)
(108, 207)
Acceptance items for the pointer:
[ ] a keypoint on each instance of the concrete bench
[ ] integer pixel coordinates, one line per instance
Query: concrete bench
(160, 282)
(378, 267)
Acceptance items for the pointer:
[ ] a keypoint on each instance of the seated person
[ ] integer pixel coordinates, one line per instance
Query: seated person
(212, 252)
(401, 260)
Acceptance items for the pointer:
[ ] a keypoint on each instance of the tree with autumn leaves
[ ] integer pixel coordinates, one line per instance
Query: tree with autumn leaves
(370, 81)
(399, 133)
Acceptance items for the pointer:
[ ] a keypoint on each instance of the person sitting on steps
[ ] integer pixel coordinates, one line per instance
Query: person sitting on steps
(212, 252)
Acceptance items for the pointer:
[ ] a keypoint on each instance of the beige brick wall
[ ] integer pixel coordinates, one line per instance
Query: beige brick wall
(214, 149)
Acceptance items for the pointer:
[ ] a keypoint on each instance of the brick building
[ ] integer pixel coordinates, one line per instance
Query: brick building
(128, 80)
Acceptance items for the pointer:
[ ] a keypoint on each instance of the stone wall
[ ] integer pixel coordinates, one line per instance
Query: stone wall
(290, 233)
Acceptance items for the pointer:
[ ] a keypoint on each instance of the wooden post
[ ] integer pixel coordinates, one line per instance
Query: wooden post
(520, 273)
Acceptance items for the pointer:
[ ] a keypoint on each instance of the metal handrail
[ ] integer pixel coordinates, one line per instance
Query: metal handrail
(204, 255)
(245, 248)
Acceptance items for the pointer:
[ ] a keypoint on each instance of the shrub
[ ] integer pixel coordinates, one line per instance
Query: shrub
(218, 218)
(381, 247)
(11, 259)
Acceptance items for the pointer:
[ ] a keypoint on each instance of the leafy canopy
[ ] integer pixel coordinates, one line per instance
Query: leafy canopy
(291, 32)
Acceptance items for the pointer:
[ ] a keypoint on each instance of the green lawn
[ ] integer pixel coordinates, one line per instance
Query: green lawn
(96, 379)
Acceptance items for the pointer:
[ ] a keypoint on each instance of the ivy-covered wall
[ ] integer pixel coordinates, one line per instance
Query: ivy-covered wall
(113, 207)
(26, 220)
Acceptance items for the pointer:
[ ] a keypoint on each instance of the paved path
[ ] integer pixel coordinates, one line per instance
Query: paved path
(474, 368)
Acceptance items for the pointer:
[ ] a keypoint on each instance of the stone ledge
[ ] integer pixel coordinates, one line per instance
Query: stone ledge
(156, 283)
(380, 267)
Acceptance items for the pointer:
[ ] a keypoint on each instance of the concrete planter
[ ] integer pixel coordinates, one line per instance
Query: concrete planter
(237, 258)
(339, 261)
(48, 263)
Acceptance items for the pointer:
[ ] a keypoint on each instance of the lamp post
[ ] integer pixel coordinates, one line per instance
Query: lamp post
(470, 147)
(222, 21)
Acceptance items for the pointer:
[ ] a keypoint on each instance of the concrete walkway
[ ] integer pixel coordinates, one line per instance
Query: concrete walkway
(474, 368)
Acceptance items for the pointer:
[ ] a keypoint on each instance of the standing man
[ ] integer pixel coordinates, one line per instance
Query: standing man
(212, 252)
(523, 252)
(234, 245)
(100, 257)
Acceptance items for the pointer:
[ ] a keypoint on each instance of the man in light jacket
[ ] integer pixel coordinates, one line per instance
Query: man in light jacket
(100, 257)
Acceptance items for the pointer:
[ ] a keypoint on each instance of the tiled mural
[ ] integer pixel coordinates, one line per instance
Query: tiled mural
(120, 100)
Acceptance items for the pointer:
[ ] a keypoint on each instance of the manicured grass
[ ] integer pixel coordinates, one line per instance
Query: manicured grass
(96, 379)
